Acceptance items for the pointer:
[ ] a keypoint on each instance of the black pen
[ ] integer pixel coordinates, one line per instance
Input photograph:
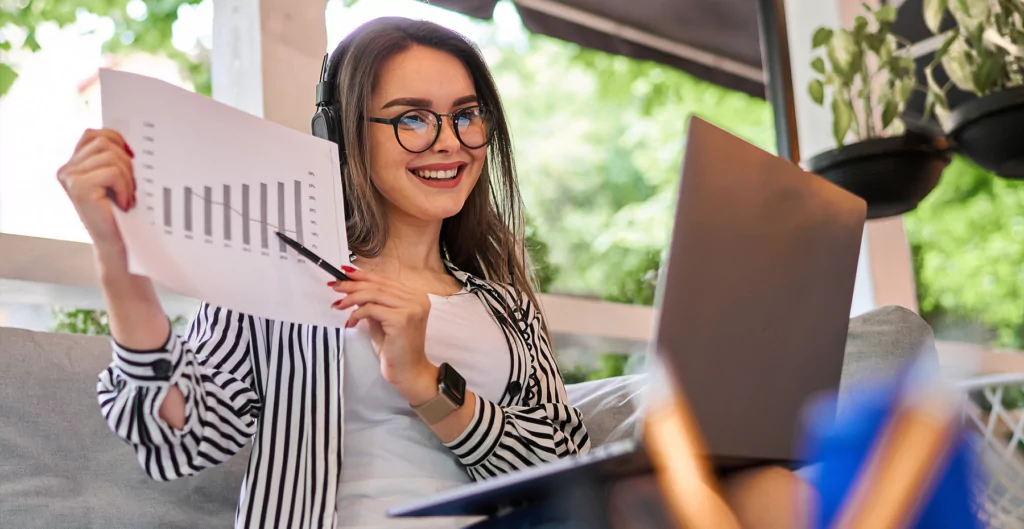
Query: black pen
(316, 259)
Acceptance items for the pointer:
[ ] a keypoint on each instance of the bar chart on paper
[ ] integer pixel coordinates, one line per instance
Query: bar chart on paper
(213, 184)
(242, 216)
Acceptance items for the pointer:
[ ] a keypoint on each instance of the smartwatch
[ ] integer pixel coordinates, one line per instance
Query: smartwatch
(451, 395)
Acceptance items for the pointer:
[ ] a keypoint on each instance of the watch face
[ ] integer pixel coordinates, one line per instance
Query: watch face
(451, 383)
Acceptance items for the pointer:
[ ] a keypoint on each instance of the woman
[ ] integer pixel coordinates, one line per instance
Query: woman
(439, 286)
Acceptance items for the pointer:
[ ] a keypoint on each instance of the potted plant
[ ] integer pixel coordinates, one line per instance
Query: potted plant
(983, 54)
(868, 76)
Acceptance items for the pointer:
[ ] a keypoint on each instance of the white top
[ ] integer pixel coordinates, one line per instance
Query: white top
(391, 456)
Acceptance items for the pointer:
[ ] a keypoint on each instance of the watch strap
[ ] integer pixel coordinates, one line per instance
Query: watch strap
(436, 409)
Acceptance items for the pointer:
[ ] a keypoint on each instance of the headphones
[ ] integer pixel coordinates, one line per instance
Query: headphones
(326, 122)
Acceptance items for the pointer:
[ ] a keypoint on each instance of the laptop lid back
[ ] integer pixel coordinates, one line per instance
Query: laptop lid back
(754, 300)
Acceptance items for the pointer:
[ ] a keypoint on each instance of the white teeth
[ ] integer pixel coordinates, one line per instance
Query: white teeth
(437, 175)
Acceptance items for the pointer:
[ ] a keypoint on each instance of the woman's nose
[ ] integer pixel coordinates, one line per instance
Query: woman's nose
(447, 141)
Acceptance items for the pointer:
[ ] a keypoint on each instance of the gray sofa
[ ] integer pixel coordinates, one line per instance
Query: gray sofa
(60, 466)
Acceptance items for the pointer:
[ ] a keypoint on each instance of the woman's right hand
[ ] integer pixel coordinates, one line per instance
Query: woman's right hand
(98, 175)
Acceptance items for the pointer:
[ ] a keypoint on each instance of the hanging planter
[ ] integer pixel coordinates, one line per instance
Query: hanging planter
(892, 174)
(869, 78)
(982, 55)
(990, 131)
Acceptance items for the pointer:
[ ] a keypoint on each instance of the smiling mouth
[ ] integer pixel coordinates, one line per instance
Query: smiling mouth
(438, 176)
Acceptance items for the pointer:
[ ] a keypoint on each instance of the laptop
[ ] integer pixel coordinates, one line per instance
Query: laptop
(753, 307)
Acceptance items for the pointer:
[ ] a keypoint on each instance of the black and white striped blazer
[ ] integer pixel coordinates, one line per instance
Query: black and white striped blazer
(278, 383)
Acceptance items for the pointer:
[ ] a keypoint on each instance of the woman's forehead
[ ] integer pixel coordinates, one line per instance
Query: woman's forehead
(423, 73)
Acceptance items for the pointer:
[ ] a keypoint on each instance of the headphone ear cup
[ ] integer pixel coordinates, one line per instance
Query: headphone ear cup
(327, 125)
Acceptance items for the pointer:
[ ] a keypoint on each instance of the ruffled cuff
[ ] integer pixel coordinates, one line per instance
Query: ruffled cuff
(153, 367)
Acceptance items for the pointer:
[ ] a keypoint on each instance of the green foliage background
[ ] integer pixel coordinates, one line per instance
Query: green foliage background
(600, 140)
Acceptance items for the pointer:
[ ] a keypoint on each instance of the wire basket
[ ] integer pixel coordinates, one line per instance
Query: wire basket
(994, 415)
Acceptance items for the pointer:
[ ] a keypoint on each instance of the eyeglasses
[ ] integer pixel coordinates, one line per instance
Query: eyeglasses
(418, 129)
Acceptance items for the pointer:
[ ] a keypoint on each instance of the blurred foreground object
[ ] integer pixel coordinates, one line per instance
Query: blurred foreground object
(898, 456)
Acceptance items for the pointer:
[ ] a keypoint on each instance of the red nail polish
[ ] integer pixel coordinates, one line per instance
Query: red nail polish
(129, 150)
(348, 269)
(330, 283)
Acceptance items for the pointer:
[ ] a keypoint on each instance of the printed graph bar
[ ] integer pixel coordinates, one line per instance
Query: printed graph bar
(227, 212)
(280, 214)
(263, 216)
(298, 211)
(245, 214)
(208, 211)
(188, 209)
(167, 207)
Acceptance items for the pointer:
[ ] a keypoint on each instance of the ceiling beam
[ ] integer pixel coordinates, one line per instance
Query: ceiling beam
(643, 38)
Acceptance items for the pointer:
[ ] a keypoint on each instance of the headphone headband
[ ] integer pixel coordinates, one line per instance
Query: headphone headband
(326, 122)
(325, 88)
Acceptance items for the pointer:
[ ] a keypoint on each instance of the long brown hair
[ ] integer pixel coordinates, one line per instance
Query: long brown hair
(486, 237)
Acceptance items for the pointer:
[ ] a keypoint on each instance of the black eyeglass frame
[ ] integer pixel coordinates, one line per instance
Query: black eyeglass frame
(453, 116)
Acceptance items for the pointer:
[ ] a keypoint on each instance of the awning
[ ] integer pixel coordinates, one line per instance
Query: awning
(716, 41)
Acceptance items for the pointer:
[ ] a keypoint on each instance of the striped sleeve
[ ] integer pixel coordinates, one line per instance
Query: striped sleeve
(212, 369)
(502, 439)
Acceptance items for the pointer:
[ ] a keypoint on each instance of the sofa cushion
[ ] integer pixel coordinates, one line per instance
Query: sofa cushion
(610, 407)
(60, 466)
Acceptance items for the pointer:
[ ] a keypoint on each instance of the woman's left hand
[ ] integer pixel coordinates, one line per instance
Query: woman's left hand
(397, 317)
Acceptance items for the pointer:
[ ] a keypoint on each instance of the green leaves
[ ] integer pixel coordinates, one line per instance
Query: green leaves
(984, 53)
(864, 68)
(816, 89)
(966, 243)
(934, 11)
(821, 37)
(7, 78)
(958, 64)
(842, 119)
(991, 69)
(904, 88)
(889, 112)
(818, 65)
(844, 52)
(886, 14)
(970, 14)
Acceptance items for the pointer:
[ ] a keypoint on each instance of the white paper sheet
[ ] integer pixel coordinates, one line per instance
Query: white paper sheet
(213, 183)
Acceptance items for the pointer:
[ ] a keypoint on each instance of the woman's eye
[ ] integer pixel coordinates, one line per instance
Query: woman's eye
(470, 113)
(413, 121)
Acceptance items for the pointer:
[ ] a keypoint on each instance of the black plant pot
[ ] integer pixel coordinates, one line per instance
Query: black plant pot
(892, 175)
(990, 131)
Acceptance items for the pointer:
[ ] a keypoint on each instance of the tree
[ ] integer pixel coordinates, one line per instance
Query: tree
(967, 240)
(150, 30)
(599, 141)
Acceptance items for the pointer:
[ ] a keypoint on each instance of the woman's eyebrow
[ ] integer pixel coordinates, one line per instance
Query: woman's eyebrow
(465, 99)
(407, 102)
(425, 103)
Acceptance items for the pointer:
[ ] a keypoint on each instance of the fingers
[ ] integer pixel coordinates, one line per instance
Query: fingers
(104, 158)
(91, 135)
(362, 275)
(371, 311)
(371, 295)
(110, 179)
(350, 287)
(102, 155)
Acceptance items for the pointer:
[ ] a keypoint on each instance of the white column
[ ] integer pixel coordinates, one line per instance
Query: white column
(884, 273)
(267, 55)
